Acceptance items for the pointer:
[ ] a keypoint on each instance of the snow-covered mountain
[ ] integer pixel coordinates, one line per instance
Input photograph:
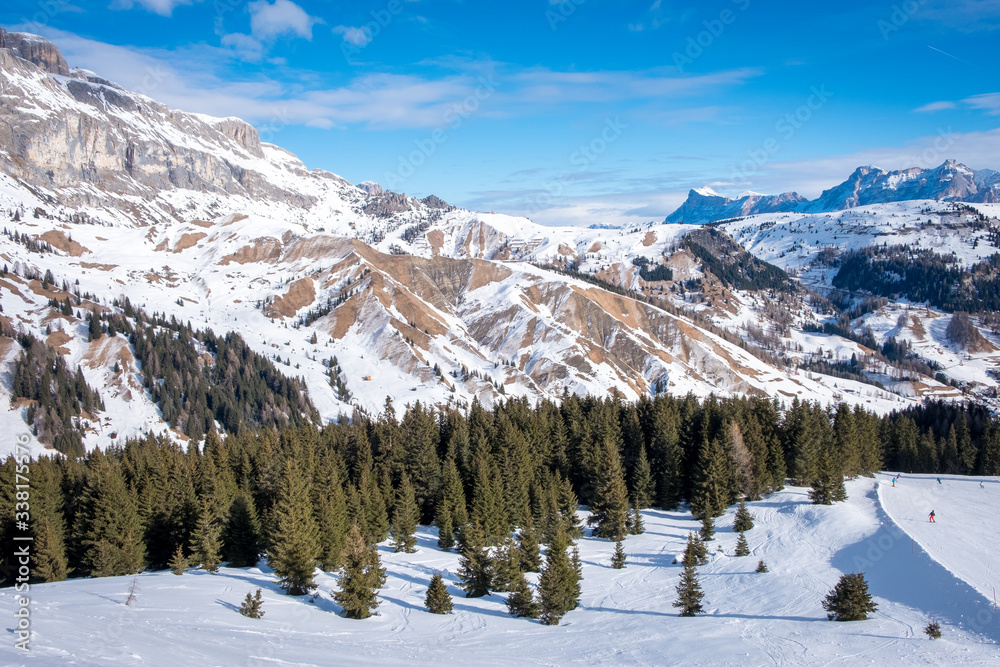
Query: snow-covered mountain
(194, 217)
(951, 181)
(706, 205)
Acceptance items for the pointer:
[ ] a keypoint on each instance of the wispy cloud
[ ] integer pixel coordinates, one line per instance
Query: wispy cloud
(988, 102)
(199, 78)
(654, 17)
(161, 7)
(936, 106)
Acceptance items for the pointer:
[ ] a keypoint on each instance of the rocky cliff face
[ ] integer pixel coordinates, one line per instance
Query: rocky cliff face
(35, 49)
(705, 205)
(951, 181)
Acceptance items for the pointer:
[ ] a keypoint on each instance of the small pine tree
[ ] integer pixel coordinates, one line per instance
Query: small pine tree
(445, 526)
(438, 600)
(361, 577)
(521, 602)
(636, 525)
(828, 485)
(643, 485)
(689, 593)
(252, 606)
(475, 564)
(618, 559)
(695, 553)
(559, 584)
(849, 600)
(707, 528)
(178, 563)
(744, 520)
(742, 548)
(404, 518)
(933, 630)
(295, 541)
(761, 567)
(206, 541)
(528, 550)
(506, 565)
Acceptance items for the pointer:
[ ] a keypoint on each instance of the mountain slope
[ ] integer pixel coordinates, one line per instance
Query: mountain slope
(952, 181)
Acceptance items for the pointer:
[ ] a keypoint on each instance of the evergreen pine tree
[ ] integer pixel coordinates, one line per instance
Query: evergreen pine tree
(331, 518)
(558, 585)
(49, 559)
(849, 600)
(521, 602)
(742, 548)
(568, 505)
(506, 565)
(710, 494)
(689, 593)
(404, 518)
(438, 600)
(933, 630)
(695, 552)
(610, 510)
(206, 541)
(241, 534)
(475, 564)
(618, 559)
(48, 525)
(636, 525)
(743, 520)
(361, 578)
(178, 563)
(252, 606)
(446, 529)
(529, 552)
(109, 526)
(707, 528)
(761, 567)
(828, 485)
(453, 491)
(295, 545)
(643, 486)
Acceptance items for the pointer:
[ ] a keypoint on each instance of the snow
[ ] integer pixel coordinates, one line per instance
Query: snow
(964, 535)
(625, 618)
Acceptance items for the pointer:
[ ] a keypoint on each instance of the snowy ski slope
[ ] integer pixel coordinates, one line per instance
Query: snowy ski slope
(625, 618)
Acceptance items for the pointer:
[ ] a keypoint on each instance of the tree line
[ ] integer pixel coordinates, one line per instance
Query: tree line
(483, 476)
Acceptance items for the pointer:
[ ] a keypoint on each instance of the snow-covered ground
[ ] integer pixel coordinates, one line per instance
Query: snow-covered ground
(625, 616)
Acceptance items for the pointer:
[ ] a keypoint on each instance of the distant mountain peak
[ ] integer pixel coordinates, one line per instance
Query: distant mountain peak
(868, 184)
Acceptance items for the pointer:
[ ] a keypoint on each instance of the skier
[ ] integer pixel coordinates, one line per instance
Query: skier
(932, 517)
(939, 480)
(981, 486)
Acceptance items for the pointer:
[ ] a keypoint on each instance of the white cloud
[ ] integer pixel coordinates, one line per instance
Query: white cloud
(359, 37)
(269, 21)
(990, 102)
(936, 106)
(161, 7)
(244, 46)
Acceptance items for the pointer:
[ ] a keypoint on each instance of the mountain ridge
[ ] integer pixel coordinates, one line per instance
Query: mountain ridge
(951, 181)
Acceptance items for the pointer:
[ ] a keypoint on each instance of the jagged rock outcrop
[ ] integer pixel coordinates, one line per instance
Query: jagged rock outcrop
(35, 49)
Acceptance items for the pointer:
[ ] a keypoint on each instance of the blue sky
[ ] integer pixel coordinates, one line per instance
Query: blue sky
(574, 112)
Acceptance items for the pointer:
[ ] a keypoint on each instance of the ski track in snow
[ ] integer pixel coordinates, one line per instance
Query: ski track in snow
(626, 616)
